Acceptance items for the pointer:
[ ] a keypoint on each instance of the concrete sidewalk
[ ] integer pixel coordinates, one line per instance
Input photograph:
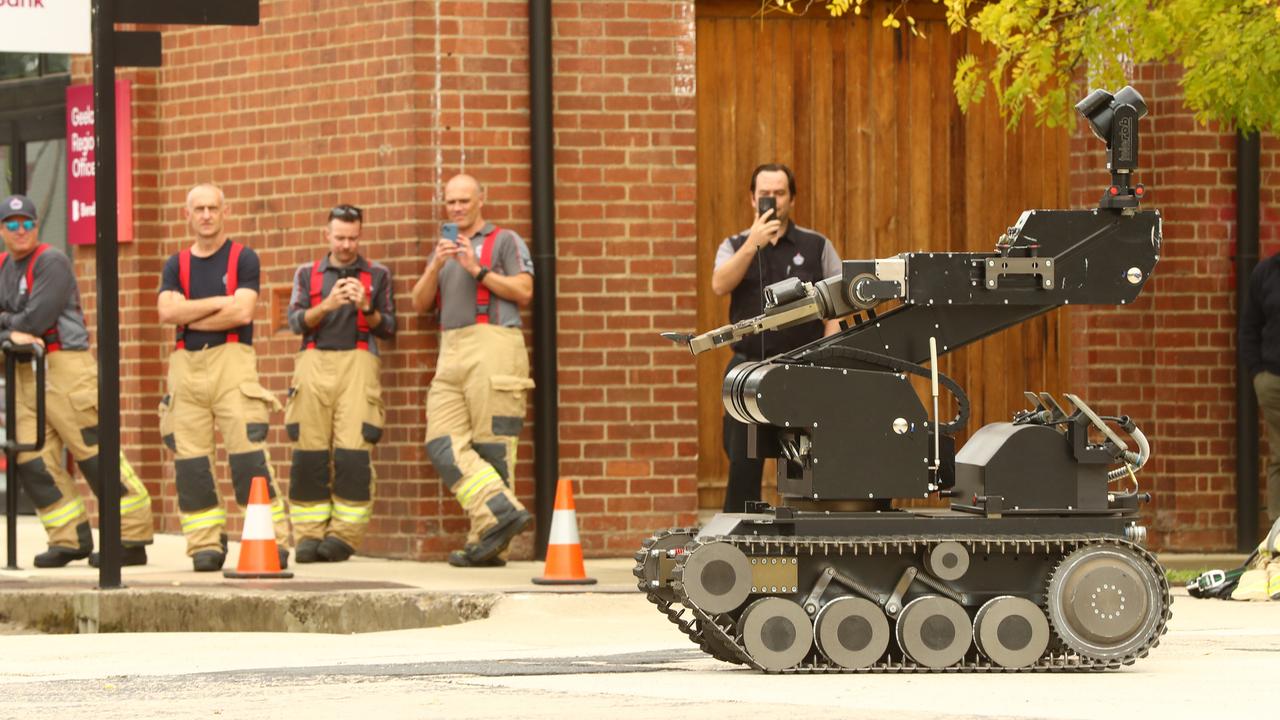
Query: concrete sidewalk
(360, 595)
(168, 564)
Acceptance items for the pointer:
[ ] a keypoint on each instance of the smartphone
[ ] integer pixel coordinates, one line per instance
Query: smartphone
(766, 204)
(449, 231)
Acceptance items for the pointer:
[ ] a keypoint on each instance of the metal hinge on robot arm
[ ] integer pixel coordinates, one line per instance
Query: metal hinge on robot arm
(867, 283)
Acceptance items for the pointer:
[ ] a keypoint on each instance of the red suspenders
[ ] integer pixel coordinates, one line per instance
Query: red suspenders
(51, 340)
(362, 323)
(482, 292)
(184, 280)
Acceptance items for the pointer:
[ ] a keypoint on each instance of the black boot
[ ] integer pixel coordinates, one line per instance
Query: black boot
(208, 561)
(511, 522)
(334, 550)
(306, 551)
(133, 555)
(461, 558)
(58, 556)
(283, 554)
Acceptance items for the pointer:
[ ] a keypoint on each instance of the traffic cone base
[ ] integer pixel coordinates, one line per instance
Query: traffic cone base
(259, 558)
(564, 550)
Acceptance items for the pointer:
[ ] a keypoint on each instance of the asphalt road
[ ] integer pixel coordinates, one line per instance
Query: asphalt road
(558, 656)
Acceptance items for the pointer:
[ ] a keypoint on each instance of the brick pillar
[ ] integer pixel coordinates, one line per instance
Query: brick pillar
(1169, 360)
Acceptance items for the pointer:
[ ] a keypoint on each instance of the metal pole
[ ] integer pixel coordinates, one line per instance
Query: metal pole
(25, 354)
(546, 430)
(11, 458)
(1247, 184)
(104, 105)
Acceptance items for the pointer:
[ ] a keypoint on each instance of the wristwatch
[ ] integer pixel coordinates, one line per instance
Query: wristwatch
(480, 275)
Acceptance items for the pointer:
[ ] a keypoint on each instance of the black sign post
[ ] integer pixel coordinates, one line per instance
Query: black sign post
(132, 48)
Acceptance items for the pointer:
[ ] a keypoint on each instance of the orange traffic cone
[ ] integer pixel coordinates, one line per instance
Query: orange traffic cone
(258, 555)
(564, 550)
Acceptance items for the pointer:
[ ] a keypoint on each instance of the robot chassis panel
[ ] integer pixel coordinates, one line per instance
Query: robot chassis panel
(1037, 565)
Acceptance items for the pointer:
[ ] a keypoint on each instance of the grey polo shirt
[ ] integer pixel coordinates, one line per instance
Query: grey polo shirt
(337, 330)
(457, 300)
(54, 301)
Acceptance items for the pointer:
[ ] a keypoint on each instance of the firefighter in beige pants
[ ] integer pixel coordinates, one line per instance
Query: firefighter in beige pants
(341, 305)
(476, 405)
(209, 291)
(40, 305)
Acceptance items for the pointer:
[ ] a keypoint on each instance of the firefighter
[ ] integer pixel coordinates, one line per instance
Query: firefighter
(209, 291)
(476, 403)
(40, 305)
(334, 416)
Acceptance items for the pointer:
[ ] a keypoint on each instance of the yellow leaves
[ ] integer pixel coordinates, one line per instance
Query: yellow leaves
(1035, 49)
(782, 6)
(892, 21)
(838, 8)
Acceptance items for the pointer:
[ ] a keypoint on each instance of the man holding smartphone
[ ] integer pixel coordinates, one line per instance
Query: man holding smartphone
(773, 249)
(477, 279)
(341, 305)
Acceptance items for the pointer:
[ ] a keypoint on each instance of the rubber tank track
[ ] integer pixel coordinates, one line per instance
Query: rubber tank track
(681, 617)
(714, 633)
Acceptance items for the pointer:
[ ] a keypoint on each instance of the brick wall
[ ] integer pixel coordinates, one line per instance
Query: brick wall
(1169, 360)
(377, 104)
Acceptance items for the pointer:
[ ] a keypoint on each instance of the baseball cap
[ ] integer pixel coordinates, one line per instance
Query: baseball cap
(19, 206)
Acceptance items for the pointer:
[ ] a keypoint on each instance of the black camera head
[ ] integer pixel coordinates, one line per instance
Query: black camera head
(1114, 120)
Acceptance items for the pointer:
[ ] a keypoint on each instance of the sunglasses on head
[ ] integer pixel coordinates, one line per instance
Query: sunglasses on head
(13, 225)
(346, 213)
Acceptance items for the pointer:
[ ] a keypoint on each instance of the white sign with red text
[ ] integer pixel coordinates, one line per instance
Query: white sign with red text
(45, 26)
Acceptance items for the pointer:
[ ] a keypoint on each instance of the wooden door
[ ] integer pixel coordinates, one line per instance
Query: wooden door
(885, 163)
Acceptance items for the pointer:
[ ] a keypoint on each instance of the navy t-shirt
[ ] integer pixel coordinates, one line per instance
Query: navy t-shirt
(209, 278)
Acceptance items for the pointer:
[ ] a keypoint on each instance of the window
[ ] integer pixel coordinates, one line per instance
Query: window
(47, 188)
(6, 171)
(15, 66)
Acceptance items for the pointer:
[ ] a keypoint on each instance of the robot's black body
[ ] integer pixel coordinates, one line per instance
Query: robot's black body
(1037, 564)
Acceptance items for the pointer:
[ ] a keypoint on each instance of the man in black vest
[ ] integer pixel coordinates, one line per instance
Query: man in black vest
(1260, 346)
(771, 250)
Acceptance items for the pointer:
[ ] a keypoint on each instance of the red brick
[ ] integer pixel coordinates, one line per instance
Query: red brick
(292, 142)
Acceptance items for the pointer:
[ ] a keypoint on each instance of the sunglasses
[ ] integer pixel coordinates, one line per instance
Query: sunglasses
(13, 225)
(346, 213)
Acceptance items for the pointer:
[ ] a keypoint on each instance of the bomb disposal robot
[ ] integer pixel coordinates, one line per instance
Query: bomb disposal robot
(1038, 563)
